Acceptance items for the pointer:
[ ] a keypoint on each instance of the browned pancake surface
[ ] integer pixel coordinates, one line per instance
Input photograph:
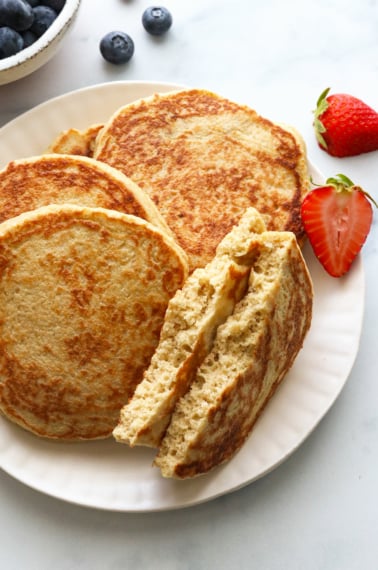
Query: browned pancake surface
(203, 160)
(37, 181)
(83, 293)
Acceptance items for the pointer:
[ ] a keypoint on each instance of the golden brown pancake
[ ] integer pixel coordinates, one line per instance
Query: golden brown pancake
(203, 160)
(83, 293)
(207, 298)
(29, 183)
(73, 141)
(252, 352)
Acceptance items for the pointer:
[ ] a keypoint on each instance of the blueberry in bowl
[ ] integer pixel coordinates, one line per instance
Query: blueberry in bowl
(11, 42)
(44, 16)
(30, 34)
(16, 14)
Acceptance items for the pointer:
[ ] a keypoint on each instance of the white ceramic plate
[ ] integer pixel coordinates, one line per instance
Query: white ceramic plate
(107, 475)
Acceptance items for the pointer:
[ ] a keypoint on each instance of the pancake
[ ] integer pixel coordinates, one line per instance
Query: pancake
(204, 160)
(73, 141)
(37, 181)
(83, 293)
(252, 352)
(207, 298)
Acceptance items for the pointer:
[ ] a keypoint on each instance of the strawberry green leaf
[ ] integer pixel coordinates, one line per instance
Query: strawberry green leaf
(345, 180)
(340, 182)
(319, 129)
(321, 106)
(322, 103)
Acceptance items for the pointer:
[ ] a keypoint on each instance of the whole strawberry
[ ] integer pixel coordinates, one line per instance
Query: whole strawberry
(337, 218)
(345, 125)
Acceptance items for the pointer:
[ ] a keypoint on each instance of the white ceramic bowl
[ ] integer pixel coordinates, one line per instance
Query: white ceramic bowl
(31, 58)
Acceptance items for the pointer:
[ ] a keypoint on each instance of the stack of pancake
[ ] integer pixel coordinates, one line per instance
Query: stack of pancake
(152, 283)
(88, 266)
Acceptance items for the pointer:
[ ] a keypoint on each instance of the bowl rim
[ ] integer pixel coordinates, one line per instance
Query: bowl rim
(50, 35)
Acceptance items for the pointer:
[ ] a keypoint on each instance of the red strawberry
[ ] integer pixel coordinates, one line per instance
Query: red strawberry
(344, 125)
(337, 219)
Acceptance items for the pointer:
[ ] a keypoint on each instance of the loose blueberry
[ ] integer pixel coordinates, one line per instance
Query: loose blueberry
(16, 14)
(43, 18)
(33, 3)
(11, 42)
(56, 5)
(117, 47)
(156, 20)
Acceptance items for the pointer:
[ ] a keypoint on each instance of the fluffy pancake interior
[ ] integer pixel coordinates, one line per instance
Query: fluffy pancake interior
(206, 300)
(251, 354)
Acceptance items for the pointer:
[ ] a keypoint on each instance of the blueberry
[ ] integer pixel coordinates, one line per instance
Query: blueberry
(43, 18)
(117, 47)
(16, 14)
(33, 3)
(156, 20)
(56, 5)
(11, 42)
(29, 38)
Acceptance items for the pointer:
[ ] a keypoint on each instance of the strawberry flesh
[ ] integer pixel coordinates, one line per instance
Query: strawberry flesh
(337, 223)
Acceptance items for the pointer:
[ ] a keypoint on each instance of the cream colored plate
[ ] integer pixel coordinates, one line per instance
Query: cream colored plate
(110, 476)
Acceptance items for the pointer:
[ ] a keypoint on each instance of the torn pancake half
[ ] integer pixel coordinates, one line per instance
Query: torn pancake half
(83, 293)
(204, 160)
(252, 352)
(207, 298)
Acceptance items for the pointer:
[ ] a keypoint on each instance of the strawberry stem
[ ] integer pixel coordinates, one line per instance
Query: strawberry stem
(370, 197)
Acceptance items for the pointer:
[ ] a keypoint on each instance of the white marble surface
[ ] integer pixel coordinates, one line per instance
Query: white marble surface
(319, 509)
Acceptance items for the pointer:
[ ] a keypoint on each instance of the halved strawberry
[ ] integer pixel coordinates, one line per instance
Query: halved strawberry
(337, 218)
